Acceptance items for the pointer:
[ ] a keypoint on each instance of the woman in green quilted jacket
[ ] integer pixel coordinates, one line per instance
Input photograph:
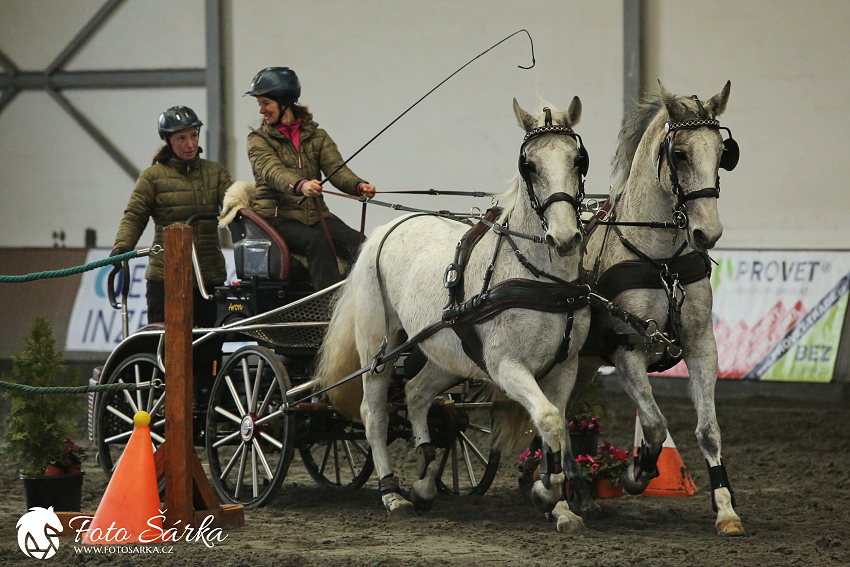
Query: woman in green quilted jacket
(179, 184)
(288, 155)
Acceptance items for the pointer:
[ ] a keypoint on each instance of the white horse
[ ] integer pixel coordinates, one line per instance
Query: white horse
(666, 174)
(514, 345)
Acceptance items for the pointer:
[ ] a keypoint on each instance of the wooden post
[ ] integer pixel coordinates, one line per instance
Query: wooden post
(178, 371)
(189, 498)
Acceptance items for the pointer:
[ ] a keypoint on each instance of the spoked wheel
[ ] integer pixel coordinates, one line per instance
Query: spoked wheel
(340, 456)
(248, 433)
(463, 441)
(117, 408)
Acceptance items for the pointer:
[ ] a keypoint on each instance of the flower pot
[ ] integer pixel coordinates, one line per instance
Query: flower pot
(584, 444)
(62, 491)
(603, 488)
(53, 470)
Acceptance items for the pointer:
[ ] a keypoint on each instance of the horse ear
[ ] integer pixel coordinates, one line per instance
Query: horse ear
(573, 114)
(717, 104)
(668, 99)
(524, 119)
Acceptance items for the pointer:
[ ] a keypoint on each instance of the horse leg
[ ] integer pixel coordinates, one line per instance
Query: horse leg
(703, 372)
(580, 494)
(631, 368)
(420, 392)
(547, 493)
(373, 411)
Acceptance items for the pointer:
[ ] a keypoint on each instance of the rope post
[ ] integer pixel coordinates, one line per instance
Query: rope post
(178, 370)
(189, 497)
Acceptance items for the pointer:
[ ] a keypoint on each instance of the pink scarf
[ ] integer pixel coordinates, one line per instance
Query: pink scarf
(292, 130)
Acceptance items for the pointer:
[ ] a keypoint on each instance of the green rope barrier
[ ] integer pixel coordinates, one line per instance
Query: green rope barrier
(70, 271)
(68, 389)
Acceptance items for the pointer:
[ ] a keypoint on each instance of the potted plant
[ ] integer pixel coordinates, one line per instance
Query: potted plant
(68, 461)
(586, 414)
(603, 471)
(38, 424)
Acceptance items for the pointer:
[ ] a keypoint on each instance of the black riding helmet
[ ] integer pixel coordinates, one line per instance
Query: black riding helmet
(177, 118)
(280, 84)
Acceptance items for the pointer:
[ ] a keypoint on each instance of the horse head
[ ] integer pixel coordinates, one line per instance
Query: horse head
(552, 165)
(689, 157)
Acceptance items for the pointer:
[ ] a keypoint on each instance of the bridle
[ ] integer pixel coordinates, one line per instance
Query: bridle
(728, 161)
(525, 169)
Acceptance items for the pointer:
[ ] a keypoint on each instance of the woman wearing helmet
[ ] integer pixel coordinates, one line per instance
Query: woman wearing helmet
(179, 184)
(288, 155)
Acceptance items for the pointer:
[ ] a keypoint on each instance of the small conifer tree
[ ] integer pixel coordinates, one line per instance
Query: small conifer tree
(38, 424)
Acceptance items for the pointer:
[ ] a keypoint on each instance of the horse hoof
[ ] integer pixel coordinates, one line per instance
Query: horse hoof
(397, 506)
(632, 486)
(565, 521)
(730, 528)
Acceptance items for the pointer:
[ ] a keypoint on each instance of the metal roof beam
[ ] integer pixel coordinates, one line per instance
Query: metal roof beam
(98, 136)
(83, 36)
(135, 78)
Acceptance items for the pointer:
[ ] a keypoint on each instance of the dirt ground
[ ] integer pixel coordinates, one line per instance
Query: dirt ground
(788, 463)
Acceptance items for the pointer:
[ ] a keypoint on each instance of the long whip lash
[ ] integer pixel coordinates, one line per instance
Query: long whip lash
(533, 62)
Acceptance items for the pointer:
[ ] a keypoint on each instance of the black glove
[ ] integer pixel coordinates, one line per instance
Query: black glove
(118, 250)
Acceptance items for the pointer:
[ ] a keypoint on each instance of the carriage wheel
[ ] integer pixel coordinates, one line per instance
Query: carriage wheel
(463, 440)
(248, 433)
(342, 459)
(117, 408)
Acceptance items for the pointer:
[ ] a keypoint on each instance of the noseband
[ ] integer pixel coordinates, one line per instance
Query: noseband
(728, 161)
(525, 169)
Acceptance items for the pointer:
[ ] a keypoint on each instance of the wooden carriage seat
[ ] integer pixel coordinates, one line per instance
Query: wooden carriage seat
(260, 251)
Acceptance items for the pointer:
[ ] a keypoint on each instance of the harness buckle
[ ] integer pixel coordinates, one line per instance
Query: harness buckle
(451, 276)
(680, 217)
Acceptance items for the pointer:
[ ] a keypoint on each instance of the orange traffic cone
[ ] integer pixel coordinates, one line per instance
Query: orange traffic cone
(129, 511)
(673, 478)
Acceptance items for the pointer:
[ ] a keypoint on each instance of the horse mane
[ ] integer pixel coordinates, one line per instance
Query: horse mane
(651, 109)
(635, 125)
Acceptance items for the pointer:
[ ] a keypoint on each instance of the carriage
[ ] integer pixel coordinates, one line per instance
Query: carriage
(260, 409)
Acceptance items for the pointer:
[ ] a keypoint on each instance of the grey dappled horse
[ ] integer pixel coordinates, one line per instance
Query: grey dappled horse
(666, 171)
(515, 344)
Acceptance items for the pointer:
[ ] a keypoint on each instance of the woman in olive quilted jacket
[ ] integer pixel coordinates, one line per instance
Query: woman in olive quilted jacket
(178, 185)
(288, 154)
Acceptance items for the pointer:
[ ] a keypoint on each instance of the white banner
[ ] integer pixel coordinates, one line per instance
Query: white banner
(95, 326)
(778, 315)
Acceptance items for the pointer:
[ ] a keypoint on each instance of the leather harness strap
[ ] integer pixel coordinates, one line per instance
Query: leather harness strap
(640, 274)
(647, 274)
(515, 294)
(453, 277)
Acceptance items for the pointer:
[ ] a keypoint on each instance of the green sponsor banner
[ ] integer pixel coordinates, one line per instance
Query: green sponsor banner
(778, 315)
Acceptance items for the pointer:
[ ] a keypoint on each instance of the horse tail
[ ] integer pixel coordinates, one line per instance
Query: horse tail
(512, 426)
(338, 356)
